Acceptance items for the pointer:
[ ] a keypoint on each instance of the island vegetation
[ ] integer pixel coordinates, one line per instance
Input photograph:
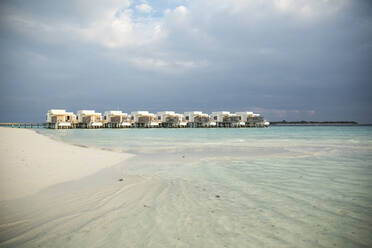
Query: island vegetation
(317, 123)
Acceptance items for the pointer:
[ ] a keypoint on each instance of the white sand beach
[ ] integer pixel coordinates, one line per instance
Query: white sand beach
(31, 162)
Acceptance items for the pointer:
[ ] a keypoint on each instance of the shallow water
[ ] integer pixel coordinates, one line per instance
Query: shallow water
(275, 187)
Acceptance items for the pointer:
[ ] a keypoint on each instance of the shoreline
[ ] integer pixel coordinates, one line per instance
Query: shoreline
(59, 140)
(31, 162)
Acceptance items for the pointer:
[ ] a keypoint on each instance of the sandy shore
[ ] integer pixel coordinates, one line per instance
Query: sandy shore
(30, 162)
(59, 195)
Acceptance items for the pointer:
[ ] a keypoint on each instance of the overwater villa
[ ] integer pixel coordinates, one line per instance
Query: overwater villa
(169, 119)
(252, 120)
(89, 119)
(197, 119)
(116, 119)
(59, 118)
(143, 119)
(226, 119)
(243, 117)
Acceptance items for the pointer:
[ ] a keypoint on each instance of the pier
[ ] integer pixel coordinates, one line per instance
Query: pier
(24, 124)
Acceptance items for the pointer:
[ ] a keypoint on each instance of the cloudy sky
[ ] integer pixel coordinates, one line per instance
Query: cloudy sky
(286, 59)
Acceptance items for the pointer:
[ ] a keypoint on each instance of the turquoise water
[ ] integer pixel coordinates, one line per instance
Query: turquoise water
(134, 139)
(280, 186)
(236, 149)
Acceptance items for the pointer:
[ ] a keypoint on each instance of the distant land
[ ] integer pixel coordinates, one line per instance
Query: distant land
(313, 123)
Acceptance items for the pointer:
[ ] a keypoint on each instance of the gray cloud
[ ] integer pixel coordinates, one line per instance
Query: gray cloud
(286, 59)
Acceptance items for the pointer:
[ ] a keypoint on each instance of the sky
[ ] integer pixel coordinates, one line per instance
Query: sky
(285, 59)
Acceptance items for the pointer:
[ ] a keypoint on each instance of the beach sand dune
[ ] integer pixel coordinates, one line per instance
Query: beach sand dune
(30, 162)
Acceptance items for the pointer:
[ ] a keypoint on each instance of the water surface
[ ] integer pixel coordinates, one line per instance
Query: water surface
(271, 187)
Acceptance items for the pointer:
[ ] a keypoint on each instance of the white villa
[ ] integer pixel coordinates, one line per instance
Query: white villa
(226, 119)
(59, 118)
(116, 118)
(169, 119)
(143, 119)
(89, 119)
(197, 119)
(245, 117)
(253, 120)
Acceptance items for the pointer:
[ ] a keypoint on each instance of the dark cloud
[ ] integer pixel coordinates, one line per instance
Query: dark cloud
(286, 59)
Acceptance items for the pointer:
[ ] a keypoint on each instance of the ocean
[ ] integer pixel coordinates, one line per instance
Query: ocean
(246, 187)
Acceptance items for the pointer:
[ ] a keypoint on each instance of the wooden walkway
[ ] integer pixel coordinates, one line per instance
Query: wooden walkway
(23, 124)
